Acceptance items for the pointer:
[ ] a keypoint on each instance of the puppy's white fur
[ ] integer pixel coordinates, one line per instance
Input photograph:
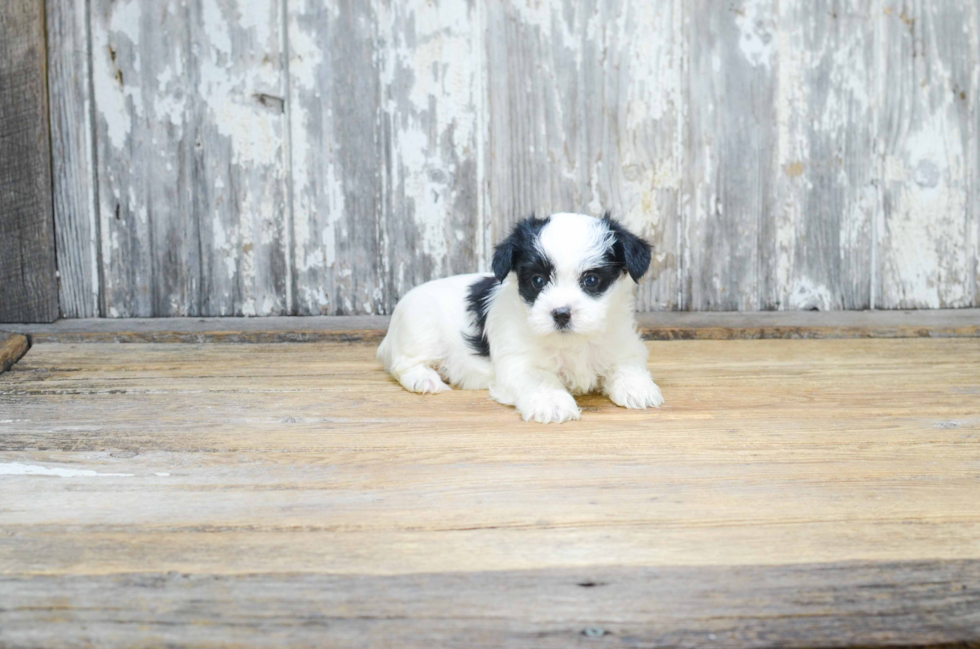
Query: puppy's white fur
(534, 364)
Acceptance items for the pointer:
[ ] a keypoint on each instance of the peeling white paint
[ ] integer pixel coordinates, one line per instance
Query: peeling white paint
(610, 102)
(114, 94)
(434, 123)
(927, 264)
(755, 20)
(16, 468)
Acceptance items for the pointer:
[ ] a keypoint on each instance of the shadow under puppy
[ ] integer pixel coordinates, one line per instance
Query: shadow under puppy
(555, 319)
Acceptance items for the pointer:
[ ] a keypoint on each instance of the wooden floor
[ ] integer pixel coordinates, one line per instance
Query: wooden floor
(791, 493)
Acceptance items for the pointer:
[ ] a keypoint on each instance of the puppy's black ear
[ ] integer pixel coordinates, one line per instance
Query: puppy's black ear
(505, 255)
(630, 250)
(508, 252)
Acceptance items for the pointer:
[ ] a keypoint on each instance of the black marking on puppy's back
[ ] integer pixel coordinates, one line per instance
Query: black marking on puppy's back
(478, 303)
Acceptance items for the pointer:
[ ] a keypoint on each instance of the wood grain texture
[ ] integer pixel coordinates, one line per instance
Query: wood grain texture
(955, 323)
(816, 250)
(731, 167)
(585, 114)
(291, 158)
(12, 348)
(791, 493)
(76, 211)
(927, 216)
(192, 179)
(431, 81)
(829, 605)
(28, 276)
(337, 157)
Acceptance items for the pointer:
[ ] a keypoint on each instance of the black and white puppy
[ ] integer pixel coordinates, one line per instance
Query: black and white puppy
(555, 319)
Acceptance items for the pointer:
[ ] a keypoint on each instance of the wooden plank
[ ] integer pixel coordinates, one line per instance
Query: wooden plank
(815, 252)
(790, 493)
(731, 152)
(850, 604)
(958, 323)
(12, 349)
(192, 182)
(974, 102)
(585, 115)
(431, 81)
(76, 212)
(927, 73)
(869, 444)
(337, 160)
(28, 276)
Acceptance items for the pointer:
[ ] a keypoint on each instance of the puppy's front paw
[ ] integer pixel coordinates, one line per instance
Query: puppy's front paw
(550, 406)
(634, 391)
(423, 380)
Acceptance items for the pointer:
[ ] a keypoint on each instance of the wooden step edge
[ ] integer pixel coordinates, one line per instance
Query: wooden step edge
(949, 323)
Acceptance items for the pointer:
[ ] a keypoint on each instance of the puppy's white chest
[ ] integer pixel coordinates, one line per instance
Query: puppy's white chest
(576, 370)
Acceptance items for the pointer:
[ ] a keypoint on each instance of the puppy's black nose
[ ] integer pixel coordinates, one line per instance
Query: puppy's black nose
(562, 316)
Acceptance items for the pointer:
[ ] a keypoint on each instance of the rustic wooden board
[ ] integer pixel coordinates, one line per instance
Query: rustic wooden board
(816, 249)
(791, 493)
(928, 143)
(28, 276)
(432, 84)
(958, 323)
(289, 158)
(585, 115)
(76, 210)
(828, 605)
(336, 157)
(191, 156)
(386, 141)
(731, 162)
(12, 348)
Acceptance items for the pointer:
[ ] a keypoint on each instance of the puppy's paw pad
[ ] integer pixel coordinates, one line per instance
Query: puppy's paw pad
(637, 393)
(551, 407)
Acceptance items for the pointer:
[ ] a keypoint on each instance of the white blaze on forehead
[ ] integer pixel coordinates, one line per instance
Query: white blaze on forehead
(575, 242)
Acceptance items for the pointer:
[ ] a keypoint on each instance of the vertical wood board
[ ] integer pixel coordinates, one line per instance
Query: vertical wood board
(72, 156)
(191, 159)
(926, 217)
(28, 276)
(815, 251)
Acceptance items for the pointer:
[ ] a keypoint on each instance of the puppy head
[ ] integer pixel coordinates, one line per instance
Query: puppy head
(568, 268)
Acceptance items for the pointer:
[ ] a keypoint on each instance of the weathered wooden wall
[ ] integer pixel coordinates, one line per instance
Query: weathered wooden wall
(224, 157)
(28, 280)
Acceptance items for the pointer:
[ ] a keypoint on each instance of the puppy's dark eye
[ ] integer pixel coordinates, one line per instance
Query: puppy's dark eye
(590, 280)
(538, 281)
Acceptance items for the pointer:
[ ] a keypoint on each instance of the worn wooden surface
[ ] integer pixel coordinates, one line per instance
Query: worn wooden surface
(825, 605)
(682, 325)
(28, 280)
(12, 347)
(928, 141)
(791, 493)
(190, 129)
(320, 159)
(76, 209)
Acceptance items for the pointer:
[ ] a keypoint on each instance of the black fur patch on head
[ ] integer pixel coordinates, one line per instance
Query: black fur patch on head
(512, 250)
(478, 303)
(519, 253)
(605, 276)
(629, 250)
